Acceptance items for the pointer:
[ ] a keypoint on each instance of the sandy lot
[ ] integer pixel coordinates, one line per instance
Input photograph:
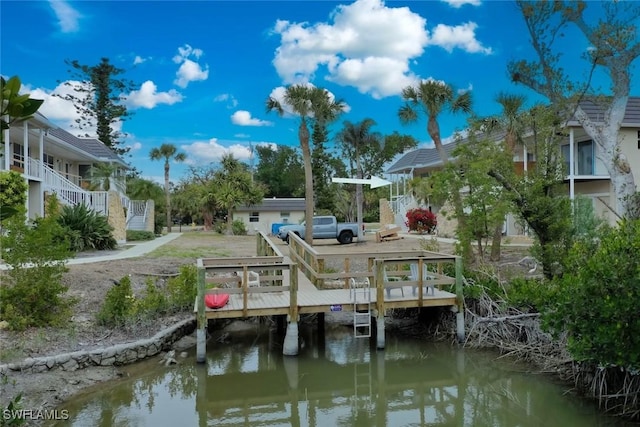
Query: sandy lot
(90, 282)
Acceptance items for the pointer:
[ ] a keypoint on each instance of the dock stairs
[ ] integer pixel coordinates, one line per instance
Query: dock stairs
(361, 297)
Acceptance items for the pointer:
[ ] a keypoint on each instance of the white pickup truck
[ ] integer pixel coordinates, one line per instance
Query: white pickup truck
(324, 227)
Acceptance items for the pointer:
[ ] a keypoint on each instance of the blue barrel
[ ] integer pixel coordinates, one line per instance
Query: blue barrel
(275, 228)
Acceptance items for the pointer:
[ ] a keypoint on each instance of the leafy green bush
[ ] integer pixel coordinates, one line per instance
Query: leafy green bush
(119, 304)
(87, 229)
(32, 293)
(532, 295)
(182, 290)
(138, 235)
(239, 228)
(598, 299)
(154, 301)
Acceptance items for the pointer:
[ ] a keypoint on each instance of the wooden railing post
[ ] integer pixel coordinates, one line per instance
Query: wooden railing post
(320, 270)
(290, 346)
(347, 268)
(460, 300)
(245, 290)
(201, 321)
(379, 284)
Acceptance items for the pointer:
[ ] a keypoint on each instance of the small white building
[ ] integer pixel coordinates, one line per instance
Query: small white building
(267, 215)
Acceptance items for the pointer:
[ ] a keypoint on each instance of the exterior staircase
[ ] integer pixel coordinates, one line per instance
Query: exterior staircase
(70, 194)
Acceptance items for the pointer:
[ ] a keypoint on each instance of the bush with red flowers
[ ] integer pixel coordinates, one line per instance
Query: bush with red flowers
(421, 220)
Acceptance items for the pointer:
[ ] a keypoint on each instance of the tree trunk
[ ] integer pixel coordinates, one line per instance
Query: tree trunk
(359, 198)
(433, 129)
(303, 135)
(167, 195)
(230, 222)
(495, 243)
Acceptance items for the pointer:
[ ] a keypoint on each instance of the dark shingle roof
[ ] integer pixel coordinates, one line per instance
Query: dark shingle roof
(595, 112)
(275, 205)
(420, 158)
(91, 146)
(424, 157)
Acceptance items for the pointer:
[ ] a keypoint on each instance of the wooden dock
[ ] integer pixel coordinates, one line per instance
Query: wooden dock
(274, 284)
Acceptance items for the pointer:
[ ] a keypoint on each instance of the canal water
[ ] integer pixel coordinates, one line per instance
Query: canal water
(341, 381)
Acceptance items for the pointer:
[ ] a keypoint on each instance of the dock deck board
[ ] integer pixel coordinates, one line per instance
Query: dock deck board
(314, 300)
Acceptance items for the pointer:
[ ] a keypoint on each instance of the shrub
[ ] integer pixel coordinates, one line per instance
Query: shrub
(153, 302)
(182, 290)
(119, 304)
(532, 295)
(138, 235)
(421, 220)
(238, 227)
(86, 228)
(32, 293)
(598, 299)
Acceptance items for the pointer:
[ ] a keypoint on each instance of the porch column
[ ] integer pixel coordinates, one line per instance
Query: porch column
(7, 149)
(41, 146)
(25, 143)
(525, 155)
(571, 166)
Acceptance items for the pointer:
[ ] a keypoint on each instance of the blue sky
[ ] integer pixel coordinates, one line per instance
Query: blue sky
(204, 69)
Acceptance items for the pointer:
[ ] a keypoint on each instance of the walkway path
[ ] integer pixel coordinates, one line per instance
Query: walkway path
(137, 249)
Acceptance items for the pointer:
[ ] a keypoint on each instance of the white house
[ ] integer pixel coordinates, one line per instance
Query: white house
(53, 161)
(270, 213)
(587, 175)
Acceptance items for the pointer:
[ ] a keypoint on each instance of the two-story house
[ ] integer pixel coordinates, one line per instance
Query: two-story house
(53, 161)
(586, 174)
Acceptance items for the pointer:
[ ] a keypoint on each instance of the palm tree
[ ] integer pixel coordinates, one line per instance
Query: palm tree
(309, 103)
(167, 152)
(433, 98)
(233, 186)
(101, 174)
(355, 137)
(509, 121)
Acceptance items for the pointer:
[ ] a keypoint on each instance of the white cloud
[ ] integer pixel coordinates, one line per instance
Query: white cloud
(365, 75)
(241, 135)
(231, 101)
(459, 36)
(148, 96)
(61, 111)
(189, 70)
(278, 94)
(135, 146)
(243, 118)
(459, 3)
(68, 17)
(366, 44)
(203, 152)
(348, 41)
(139, 60)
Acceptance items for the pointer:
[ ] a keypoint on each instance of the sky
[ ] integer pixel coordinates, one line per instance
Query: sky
(204, 69)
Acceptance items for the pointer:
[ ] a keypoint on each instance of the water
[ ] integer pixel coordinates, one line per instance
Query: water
(341, 382)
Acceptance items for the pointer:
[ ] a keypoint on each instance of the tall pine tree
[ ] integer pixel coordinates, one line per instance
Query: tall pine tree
(98, 95)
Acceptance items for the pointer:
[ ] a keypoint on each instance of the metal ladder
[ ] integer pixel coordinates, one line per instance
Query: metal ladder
(361, 319)
(362, 385)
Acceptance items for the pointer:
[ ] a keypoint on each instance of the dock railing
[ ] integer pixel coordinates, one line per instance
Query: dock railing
(314, 265)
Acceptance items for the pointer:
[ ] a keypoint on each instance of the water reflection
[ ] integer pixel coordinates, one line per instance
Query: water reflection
(344, 382)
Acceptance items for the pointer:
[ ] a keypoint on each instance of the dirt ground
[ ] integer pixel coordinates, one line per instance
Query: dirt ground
(90, 282)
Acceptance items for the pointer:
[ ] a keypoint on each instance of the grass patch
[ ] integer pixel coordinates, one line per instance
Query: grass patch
(194, 245)
(195, 252)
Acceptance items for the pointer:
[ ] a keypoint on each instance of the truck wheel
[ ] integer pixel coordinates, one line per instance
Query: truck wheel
(345, 237)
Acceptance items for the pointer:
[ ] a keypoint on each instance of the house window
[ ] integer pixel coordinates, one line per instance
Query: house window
(639, 140)
(254, 217)
(583, 158)
(48, 160)
(284, 217)
(18, 155)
